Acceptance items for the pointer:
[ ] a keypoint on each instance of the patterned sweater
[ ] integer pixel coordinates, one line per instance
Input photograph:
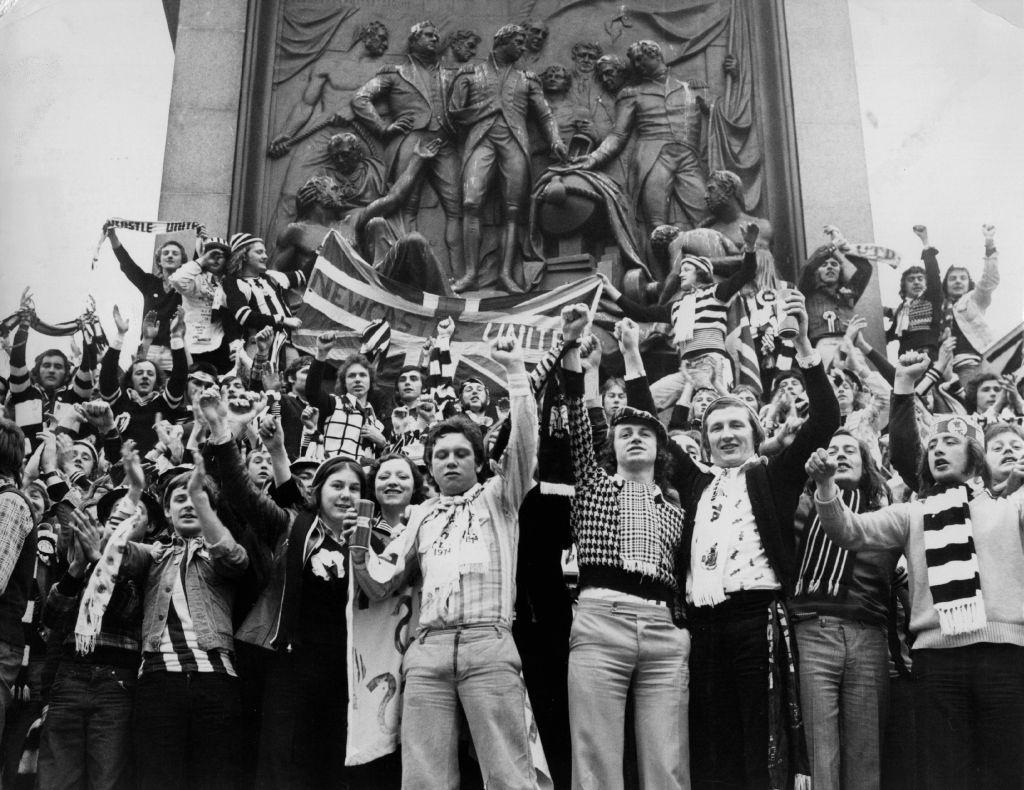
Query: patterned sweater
(595, 516)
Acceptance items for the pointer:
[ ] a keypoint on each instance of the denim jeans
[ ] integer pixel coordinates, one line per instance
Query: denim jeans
(614, 646)
(88, 729)
(970, 716)
(478, 667)
(844, 685)
(187, 727)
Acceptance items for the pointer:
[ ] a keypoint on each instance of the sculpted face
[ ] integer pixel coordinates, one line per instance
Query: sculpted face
(610, 74)
(516, 45)
(648, 64)
(426, 42)
(716, 196)
(346, 152)
(375, 42)
(464, 49)
(536, 35)
(585, 57)
(555, 80)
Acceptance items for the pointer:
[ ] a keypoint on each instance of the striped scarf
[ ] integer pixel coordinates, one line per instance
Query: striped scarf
(826, 569)
(953, 574)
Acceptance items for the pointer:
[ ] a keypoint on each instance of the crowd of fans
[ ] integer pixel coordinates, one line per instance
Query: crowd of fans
(691, 584)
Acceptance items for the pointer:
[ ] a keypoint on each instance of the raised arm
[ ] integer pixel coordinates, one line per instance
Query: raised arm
(400, 190)
(229, 557)
(823, 416)
(982, 293)
(905, 451)
(726, 290)
(177, 381)
(520, 457)
(887, 528)
(267, 520)
(142, 280)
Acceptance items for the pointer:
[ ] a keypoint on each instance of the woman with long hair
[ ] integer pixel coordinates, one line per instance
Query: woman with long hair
(301, 613)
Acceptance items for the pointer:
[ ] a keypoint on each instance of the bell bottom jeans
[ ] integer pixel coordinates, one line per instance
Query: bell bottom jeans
(844, 686)
(615, 645)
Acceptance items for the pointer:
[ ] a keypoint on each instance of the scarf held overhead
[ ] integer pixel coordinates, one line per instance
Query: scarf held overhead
(144, 226)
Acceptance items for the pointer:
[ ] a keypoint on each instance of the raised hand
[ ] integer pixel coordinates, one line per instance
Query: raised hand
(310, 418)
(835, 236)
(150, 326)
(627, 333)
(853, 329)
(48, 459)
(214, 412)
(590, 352)
(133, 474)
(445, 327)
(120, 322)
(989, 232)
(820, 467)
(946, 353)
(921, 232)
(242, 409)
(506, 351)
(324, 343)
(88, 534)
(264, 339)
(291, 322)
(99, 414)
(575, 318)
(750, 233)
(196, 491)
(610, 290)
(372, 435)
(271, 433)
(911, 365)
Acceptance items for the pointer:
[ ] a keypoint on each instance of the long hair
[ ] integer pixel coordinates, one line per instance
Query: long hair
(51, 352)
(949, 271)
(873, 490)
(350, 361)
(663, 464)
(976, 467)
(126, 379)
(973, 385)
(328, 468)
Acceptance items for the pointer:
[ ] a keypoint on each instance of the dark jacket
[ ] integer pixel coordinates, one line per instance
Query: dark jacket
(291, 535)
(774, 488)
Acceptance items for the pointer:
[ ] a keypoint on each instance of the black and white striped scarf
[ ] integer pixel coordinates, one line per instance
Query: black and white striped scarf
(953, 574)
(826, 569)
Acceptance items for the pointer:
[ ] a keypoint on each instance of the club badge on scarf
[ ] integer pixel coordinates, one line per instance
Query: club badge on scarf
(452, 545)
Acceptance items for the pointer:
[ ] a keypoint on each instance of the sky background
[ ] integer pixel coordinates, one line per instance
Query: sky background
(85, 87)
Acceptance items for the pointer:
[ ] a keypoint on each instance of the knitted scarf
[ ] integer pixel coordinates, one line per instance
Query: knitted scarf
(101, 585)
(826, 569)
(640, 547)
(953, 575)
(714, 535)
(684, 316)
(788, 764)
(455, 547)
